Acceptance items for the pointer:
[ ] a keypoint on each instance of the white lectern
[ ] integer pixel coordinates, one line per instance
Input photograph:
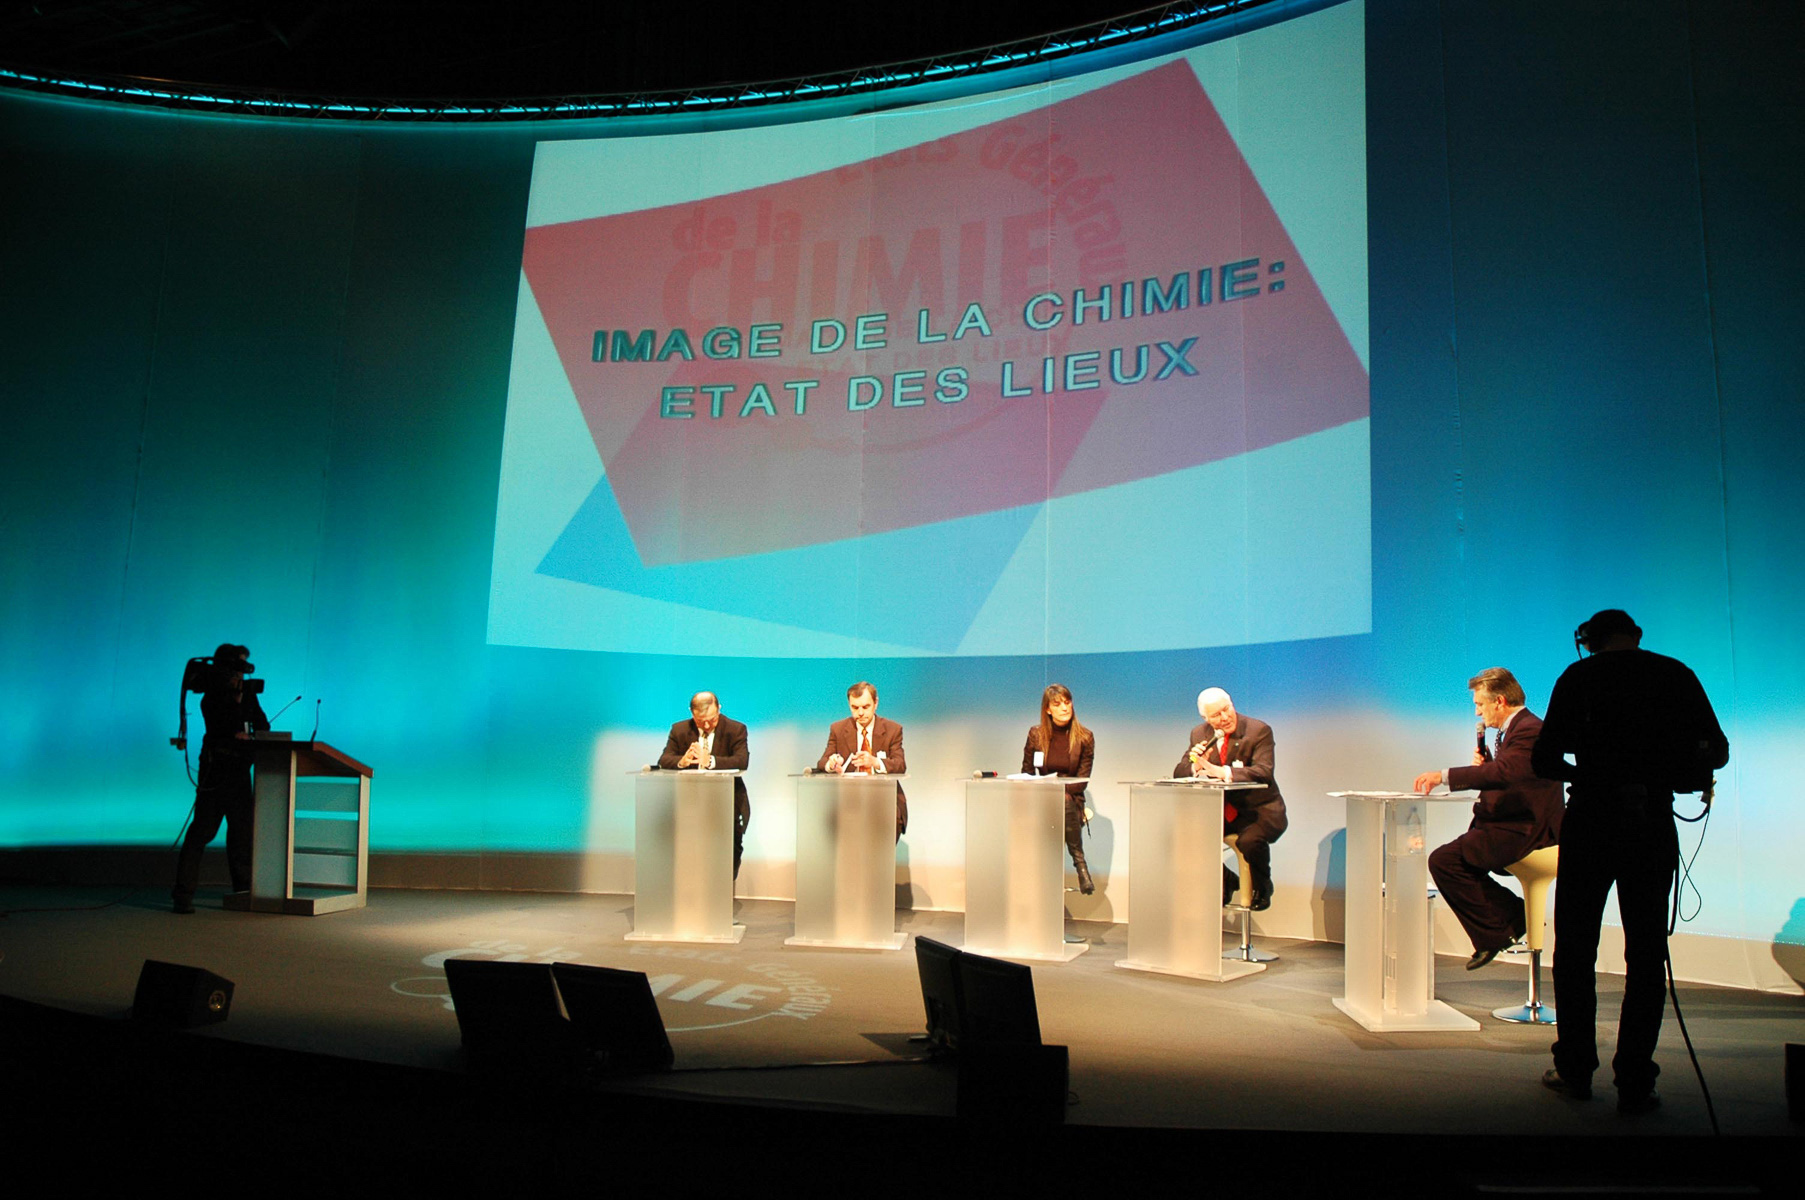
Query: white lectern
(1175, 879)
(846, 862)
(1015, 869)
(310, 840)
(1390, 962)
(683, 857)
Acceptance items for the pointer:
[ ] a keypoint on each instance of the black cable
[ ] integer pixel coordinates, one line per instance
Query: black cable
(1685, 877)
(1673, 991)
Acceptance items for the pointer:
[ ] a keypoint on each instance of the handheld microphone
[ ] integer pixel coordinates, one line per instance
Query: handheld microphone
(1479, 736)
(283, 709)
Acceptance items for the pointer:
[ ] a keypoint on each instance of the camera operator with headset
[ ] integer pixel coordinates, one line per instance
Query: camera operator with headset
(1638, 728)
(224, 791)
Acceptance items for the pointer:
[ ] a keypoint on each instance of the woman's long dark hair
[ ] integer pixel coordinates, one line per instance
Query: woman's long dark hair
(1077, 734)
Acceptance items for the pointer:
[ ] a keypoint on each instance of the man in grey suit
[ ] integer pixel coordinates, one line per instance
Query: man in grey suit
(1231, 747)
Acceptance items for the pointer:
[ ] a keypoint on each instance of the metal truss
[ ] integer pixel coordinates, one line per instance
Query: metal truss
(1119, 31)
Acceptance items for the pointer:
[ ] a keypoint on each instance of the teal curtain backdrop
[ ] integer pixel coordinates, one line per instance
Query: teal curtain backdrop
(254, 377)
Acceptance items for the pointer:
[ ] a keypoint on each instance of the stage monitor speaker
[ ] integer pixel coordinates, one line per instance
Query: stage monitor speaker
(509, 1018)
(938, 966)
(997, 1003)
(179, 997)
(616, 1017)
(1013, 1084)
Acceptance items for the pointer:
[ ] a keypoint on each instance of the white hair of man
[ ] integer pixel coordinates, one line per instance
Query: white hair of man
(1209, 696)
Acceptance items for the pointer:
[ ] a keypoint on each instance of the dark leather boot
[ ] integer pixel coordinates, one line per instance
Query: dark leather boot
(1085, 886)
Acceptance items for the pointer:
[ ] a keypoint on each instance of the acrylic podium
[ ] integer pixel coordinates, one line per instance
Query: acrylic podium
(846, 862)
(1015, 869)
(1175, 879)
(310, 840)
(1390, 961)
(683, 857)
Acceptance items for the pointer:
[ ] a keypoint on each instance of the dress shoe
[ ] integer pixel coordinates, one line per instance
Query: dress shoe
(182, 907)
(1480, 958)
(1262, 895)
(1554, 1081)
(1634, 1104)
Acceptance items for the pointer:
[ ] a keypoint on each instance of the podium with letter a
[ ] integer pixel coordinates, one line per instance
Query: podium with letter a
(1175, 879)
(310, 842)
(1015, 869)
(1390, 961)
(846, 862)
(683, 857)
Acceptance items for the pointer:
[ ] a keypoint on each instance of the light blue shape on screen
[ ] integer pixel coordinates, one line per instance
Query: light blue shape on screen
(1268, 546)
(921, 586)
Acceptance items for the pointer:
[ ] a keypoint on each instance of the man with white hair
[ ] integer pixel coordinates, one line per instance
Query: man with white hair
(1234, 748)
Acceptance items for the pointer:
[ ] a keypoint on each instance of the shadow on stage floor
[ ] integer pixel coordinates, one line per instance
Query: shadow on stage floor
(341, 1046)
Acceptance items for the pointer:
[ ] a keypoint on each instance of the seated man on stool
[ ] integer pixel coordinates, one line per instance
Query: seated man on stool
(1232, 748)
(1516, 813)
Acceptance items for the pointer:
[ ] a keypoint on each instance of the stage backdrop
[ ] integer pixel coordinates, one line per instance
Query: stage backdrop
(1328, 359)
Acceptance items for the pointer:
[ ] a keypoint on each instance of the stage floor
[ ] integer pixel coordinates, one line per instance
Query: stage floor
(1267, 1052)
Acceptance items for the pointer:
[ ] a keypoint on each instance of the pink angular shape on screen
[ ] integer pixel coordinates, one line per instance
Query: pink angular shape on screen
(1133, 182)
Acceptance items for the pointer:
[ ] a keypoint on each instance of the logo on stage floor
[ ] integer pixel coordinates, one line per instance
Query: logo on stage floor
(696, 989)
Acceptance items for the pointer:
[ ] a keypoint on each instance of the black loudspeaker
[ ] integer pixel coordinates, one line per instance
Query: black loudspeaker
(938, 966)
(179, 997)
(511, 1017)
(616, 1017)
(508, 1010)
(1013, 1084)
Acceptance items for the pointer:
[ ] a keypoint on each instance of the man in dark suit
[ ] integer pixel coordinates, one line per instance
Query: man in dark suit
(867, 744)
(1515, 814)
(1233, 748)
(710, 742)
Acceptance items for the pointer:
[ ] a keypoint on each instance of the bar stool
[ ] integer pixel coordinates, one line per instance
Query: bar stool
(1243, 904)
(1535, 871)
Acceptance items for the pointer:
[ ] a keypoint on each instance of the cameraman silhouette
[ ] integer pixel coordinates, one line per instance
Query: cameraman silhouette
(223, 791)
(1638, 728)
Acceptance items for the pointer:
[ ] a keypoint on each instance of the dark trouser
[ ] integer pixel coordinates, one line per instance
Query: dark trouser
(224, 793)
(742, 817)
(1256, 829)
(902, 814)
(1074, 829)
(1634, 846)
(1491, 913)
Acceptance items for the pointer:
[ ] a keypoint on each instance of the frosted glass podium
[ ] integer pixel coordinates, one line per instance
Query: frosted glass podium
(310, 839)
(1390, 959)
(846, 862)
(1015, 869)
(683, 857)
(1175, 879)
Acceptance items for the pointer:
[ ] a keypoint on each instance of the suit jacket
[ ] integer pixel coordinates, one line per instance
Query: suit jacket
(730, 752)
(1251, 745)
(1521, 811)
(886, 739)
